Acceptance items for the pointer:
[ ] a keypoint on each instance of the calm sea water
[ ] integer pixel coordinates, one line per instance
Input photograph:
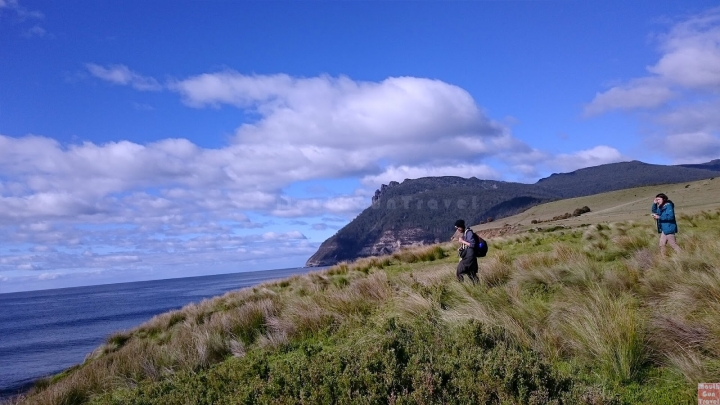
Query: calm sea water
(45, 332)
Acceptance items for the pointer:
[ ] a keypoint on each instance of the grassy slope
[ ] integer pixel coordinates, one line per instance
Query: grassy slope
(622, 205)
(586, 315)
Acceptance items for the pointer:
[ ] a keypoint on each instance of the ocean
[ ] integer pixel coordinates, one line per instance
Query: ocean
(44, 332)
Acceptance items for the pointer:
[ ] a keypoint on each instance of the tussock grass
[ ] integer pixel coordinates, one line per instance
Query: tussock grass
(593, 316)
(495, 271)
(604, 328)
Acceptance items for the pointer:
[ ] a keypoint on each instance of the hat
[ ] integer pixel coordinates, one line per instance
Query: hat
(460, 223)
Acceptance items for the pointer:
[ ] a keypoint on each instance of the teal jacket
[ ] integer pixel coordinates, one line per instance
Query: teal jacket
(666, 224)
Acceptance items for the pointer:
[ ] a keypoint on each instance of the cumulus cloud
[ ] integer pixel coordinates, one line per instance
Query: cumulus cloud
(692, 147)
(290, 208)
(325, 114)
(690, 61)
(125, 206)
(692, 52)
(680, 92)
(274, 236)
(637, 94)
(699, 116)
(586, 158)
(399, 173)
(306, 128)
(122, 75)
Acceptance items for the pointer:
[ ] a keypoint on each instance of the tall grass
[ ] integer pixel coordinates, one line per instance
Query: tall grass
(602, 328)
(560, 317)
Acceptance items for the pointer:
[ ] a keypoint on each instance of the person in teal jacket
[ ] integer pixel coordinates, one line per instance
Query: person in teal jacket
(663, 210)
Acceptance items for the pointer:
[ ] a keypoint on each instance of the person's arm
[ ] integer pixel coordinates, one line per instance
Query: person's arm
(463, 241)
(667, 214)
(655, 211)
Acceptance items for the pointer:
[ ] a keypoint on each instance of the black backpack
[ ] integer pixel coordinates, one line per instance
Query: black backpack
(481, 245)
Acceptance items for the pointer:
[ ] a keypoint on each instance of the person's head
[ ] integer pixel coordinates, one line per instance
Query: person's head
(460, 224)
(661, 199)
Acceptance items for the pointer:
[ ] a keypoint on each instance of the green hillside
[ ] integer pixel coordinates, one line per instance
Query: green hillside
(623, 205)
(585, 315)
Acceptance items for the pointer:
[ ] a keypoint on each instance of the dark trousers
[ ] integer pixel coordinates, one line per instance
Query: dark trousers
(468, 266)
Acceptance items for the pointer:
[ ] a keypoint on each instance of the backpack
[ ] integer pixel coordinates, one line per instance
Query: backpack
(481, 245)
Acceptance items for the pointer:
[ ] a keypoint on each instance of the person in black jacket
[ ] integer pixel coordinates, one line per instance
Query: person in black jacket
(468, 262)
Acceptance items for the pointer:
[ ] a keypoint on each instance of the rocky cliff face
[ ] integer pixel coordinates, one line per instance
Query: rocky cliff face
(390, 241)
(420, 212)
(381, 191)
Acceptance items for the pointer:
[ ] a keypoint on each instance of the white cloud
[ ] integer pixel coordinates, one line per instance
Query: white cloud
(694, 147)
(688, 72)
(692, 52)
(690, 61)
(35, 31)
(23, 17)
(400, 173)
(123, 206)
(120, 74)
(21, 11)
(645, 93)
(347, 205)
(308, 128)
(586, 158)
(325, 114)
(274, 236)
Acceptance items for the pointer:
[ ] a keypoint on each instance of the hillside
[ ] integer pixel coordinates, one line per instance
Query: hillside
(623, 175)
(623, 205)
(585, 315)
(422, 211)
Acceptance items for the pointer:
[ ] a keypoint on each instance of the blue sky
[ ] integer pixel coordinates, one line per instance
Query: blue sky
(148, 140)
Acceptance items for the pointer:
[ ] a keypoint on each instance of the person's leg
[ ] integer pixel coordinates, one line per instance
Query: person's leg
(663, 241)
(473, 271)
(671, 241)
(460, 271)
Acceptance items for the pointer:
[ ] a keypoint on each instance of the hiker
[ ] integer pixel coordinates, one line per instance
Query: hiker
(468, 262)
(663, 210)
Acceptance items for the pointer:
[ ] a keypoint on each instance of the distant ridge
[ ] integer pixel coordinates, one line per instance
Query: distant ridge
(711, 165)
(422, 211)
(618, 176)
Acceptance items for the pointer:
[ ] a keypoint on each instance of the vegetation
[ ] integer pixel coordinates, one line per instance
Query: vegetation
(588, 315)
(576, 213)
(617, 206)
